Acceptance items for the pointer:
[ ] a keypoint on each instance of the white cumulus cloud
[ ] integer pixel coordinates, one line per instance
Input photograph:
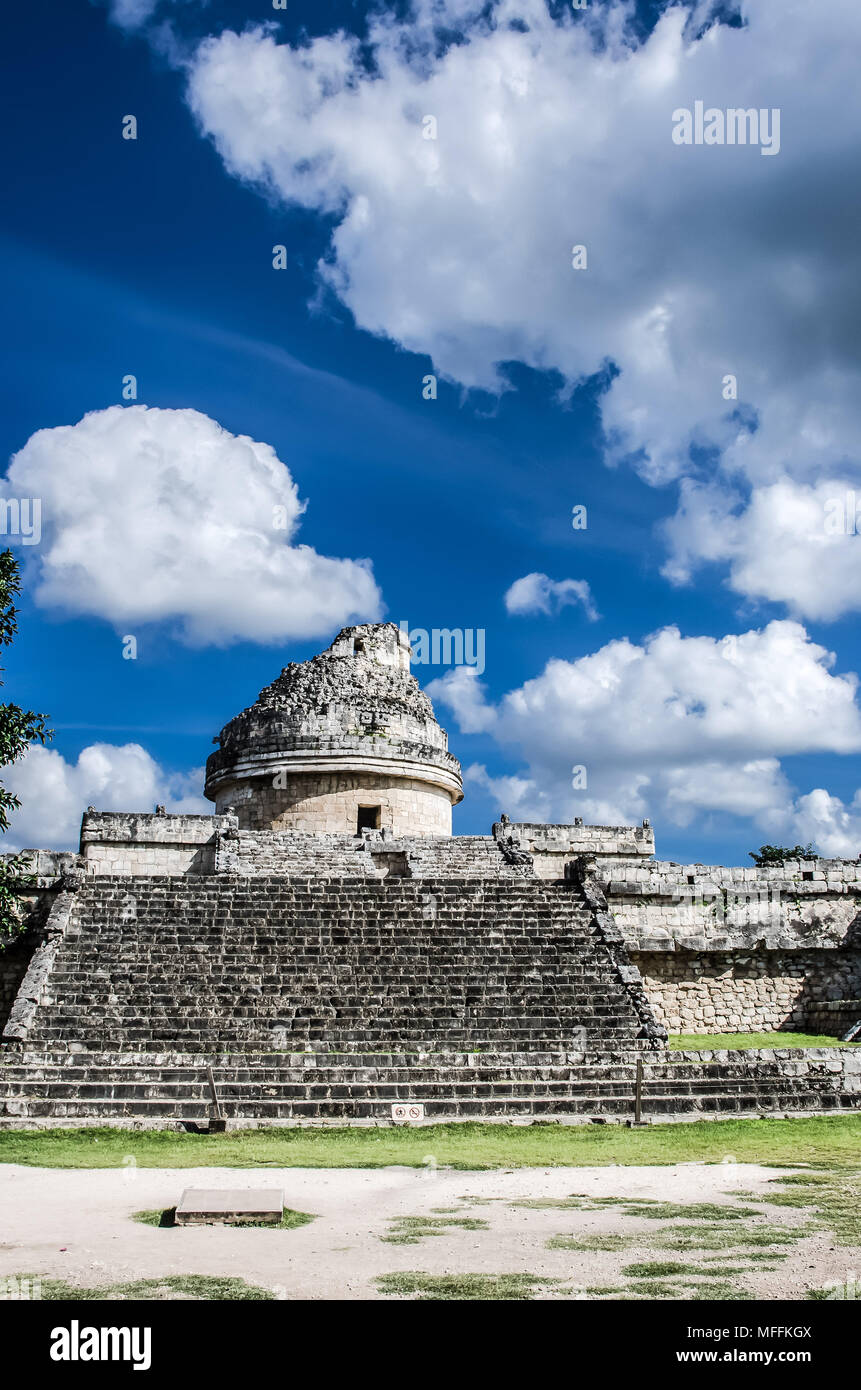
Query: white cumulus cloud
(463, 693)
(825, 820)
(155, 515)
(538, 593)
(675, 729)
(791, 542)
(55, 793)
(555, 132)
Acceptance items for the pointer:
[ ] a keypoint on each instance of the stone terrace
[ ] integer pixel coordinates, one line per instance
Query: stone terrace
(331, 1001)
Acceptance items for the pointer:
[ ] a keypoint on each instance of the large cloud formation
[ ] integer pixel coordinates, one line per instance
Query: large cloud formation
(672, 729)
(54, 793)
(152, 515)
(554, 131)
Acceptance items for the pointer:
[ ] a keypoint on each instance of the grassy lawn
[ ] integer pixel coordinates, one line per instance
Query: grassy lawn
(172, 1286)
(832, 1140)
(462, 1288)
(696, 1041)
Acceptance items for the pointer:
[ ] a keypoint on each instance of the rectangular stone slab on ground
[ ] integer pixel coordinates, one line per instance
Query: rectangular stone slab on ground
(230, 1206)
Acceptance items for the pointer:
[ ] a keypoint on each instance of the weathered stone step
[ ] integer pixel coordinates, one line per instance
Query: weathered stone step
(349, 1004)
(257, 1092)
(192, 1072)
(74, 1058)
(72, 982)
(200, 963)
(166, 1035)
(310, 1111)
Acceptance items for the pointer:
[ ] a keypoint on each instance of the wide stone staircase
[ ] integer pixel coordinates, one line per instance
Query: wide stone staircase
(337, 1000)
(164, 1089)
(203, 963)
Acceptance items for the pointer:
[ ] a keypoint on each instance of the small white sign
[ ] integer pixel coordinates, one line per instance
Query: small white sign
(407, 1113)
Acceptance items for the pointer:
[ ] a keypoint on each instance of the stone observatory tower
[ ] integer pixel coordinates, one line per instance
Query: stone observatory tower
(343, 743)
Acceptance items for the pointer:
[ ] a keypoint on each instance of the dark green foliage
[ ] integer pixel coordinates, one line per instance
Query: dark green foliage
(15, 879)
(778, 854)
(18, 729)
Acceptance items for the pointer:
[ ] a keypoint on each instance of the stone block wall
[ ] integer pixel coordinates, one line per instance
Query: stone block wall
(720, 949)
(47, 867)
(14, 961)
(375, 855)
(260, 853)
(736, 949)
(554, 847)
(699, 905)
(834, 1016)
(842, 1064)
(464, 856)
(113, 842)
(750, 991)
(328, 803)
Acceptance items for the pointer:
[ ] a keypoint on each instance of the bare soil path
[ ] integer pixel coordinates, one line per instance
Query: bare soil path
(77, 1225)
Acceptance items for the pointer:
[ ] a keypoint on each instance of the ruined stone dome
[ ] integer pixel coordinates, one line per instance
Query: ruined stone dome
(349, 731)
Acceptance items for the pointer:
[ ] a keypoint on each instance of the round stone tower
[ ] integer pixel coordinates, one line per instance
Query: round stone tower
(342, 743)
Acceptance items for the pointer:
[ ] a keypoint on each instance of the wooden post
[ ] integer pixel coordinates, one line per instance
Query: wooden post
(217, 1115)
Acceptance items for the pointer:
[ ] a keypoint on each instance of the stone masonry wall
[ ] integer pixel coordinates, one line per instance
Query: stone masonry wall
(554, 847)
(327, 804)
(736, 949)
(46, 866)
(14, 961)
(727, 949)
(749, 992)
(665, 906)
(117, 843)
(375, 855)
(842, 1064)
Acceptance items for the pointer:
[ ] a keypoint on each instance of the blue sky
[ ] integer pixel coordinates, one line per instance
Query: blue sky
(154, 257)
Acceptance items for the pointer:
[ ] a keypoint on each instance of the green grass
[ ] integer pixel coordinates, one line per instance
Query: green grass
(832, 1141)
(846, 1291)
(763, 1257)
(158, 1217)
(695, 1042)
(722, 1237)
(684, 1211)
(409, 1230)
(463, 1287)
(553, 1203)
(670, 1279)
(686, 1290)
(599, 1241)
(833, 1200)
(655, 1269)
(648, 1207)
(184, 1286)
(727, 1293)
(290, 1220)
(655, 1289)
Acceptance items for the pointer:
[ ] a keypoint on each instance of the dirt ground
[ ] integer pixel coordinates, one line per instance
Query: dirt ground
(77, 1225)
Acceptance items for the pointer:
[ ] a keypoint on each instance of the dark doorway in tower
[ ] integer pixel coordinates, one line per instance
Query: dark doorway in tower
(369, 818)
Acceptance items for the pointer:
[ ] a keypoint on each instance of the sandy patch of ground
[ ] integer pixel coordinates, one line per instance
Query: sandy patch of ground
(76, 1224)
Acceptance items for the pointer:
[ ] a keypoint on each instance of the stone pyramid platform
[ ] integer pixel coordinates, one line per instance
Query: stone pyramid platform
(334, 1000)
